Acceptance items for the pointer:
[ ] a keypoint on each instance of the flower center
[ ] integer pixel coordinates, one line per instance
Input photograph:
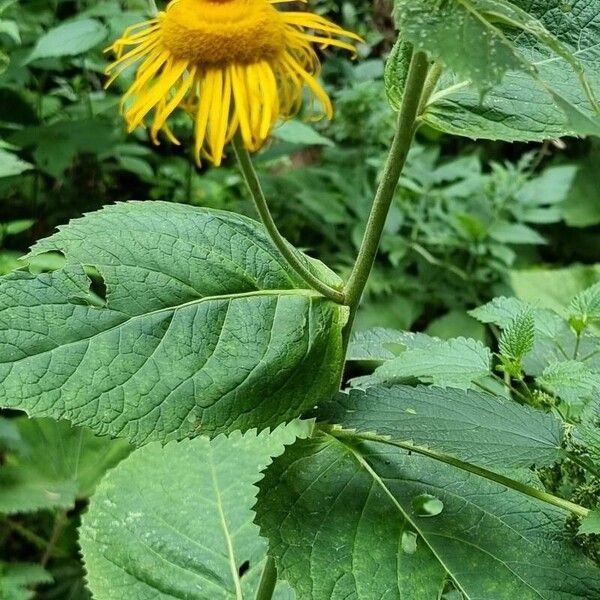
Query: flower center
(214, 33)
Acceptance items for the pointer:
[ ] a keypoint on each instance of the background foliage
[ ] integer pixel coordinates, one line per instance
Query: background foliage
(470, 222)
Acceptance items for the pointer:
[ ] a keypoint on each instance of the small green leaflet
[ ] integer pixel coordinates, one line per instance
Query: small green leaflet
(191, 535)
(296, 132)
(203, 327)
(517, 341)
(475, 427)
(336, 511)
(584, 309)
(69, 39)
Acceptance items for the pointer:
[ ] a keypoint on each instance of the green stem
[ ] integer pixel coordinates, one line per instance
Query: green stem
(507, 382)
(267, 581)
(577, 345)
(586, 465)
(523, 488)
(405, 131)
(288, 252)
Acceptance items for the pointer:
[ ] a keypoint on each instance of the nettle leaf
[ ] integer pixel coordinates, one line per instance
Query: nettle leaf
(53, 465)
(545, 53)
(472, 426)
(587, 433)
(571, 380)
(203, 328)
(336, 512)
(585, 308)
(190, 536)
(517, 340)
(18, 579)
(453, 363)
(381, 344)
(555, 340)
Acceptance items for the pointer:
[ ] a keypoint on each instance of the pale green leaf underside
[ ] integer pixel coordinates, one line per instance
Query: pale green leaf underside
(475, 427)
(176, 521)
(54, 465)
(335, 516)
(522, 107)
(204, 329)
(452, 363)
(381, 344)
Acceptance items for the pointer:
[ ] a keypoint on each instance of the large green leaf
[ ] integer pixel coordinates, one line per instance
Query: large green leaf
(337, 514)
(54, 465)
(450, 363)
(522, 54)
(202, 330)
(472, 426)
(176, 521)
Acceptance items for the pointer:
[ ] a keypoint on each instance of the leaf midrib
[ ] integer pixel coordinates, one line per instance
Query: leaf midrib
(167, 309)
(362, 461)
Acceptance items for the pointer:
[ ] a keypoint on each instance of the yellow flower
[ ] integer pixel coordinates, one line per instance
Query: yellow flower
(230, 64)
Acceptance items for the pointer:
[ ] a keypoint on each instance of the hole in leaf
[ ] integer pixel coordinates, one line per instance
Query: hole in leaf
(244, 568)
(96, 296)
(427, 505)
(98, 285)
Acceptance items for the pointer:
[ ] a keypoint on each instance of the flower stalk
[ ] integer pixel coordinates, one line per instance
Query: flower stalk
(262, 208)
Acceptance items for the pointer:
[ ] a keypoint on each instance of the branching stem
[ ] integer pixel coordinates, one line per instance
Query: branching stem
(288, 252)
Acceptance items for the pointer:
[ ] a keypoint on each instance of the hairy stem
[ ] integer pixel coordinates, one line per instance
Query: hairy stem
(523, 488)
(405, 131)
(288, 252)
(267, 581)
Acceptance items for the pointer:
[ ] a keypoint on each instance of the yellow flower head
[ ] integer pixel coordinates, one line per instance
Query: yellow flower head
(231, 64)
